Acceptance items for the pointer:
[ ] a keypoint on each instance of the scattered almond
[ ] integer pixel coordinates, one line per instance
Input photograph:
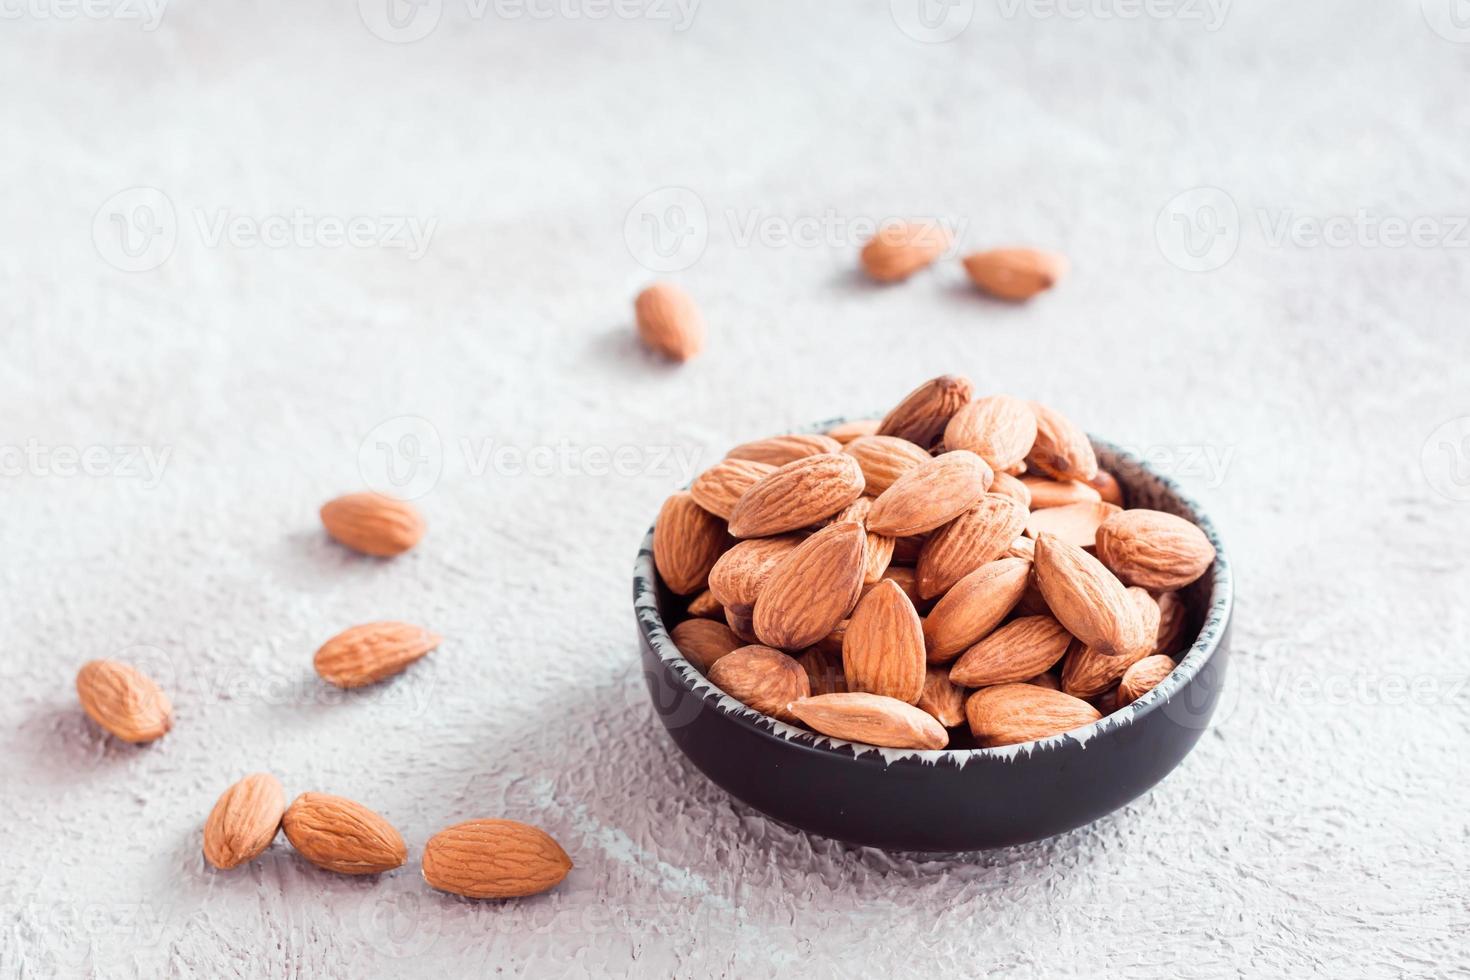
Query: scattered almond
(372, 652)
(342, 836)
(1015, 273)
(669, 322)
(494, 859)
(244, 821)
(373, 524)
(899, 249)
(124, 701)
(871, 719)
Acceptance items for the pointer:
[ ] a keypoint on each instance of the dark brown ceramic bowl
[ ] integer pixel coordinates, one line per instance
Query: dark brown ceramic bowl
(958, 798)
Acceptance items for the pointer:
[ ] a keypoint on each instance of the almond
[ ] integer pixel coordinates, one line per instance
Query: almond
(883, 650)
(1086, 672)
(780, 450)
(1015, 273)
(884, 459)
(978, 536)
(871, 719)
(1146, 636)
(973, 607)
(1022, 547)
(373, 524)
(1107, 487)
(124, 701)
(718, 488)
(342, 836)
(1009, 486)
(1048, 680)
(369, 653)
(831, 644)
(924, 412)
(494, 859)
(1085, 597)
(1045, 492)
(1015, 652)
(1153, 549)
(761, 678)
(823, 671)
(905, 579)
(741, 573)
(1013, 713)
(706, 606)
(899, 249)
(1062, 450)
(877, 548)
(687, 540)
(941, 699)
(845, 432)
(797, 495)
(742, 624)
(1173, 624)
(244, 821)
(1074, 523)
(813, 589)
(906, 549)
(999, 429)
(669, 322)
(1143, 677)
(930, 495)
(703, 641)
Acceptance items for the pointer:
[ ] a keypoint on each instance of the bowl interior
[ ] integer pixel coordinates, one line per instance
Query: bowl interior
(1207, 603)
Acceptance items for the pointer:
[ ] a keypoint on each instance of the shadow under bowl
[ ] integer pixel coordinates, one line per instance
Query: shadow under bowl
(959, 798)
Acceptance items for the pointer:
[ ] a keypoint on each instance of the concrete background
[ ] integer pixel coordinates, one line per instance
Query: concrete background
(195, 357)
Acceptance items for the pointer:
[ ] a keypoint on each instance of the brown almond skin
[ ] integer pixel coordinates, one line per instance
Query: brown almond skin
(931, 495)
(979, 535)
(373, 524)
(884, 459)
(823, 670)
(741, 573)
(942, 699)
(1000, 429)
(1143, 677)
(780, 450)
(494, 859)
(1108, 488)
(871, 719)
(704, 641)
(124, 701)
(1046, 492)
(761, 678)
(845, 432)
(900, 249)
(924, 412)
(1152, 549)
(706, 606)
(244, 821)
(973, 607)
(1062, 450)
(1075, 524)
(335, 833)
(1017, 651)
(1087, 673)
(1010, 714)
(813, 589)
(1009, 486)
(1085, 597)
(372, 652)
(1173, 624)
(797, 495)
(1015, 274)
(687, 541)
(669, 321)
(883, 648)
(718, 488)
(906, 579)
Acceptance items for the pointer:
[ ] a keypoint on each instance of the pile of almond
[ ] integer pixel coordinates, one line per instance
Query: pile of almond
(962, 562)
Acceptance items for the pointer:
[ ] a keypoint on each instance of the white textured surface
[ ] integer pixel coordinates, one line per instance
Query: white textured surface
(1320, 829)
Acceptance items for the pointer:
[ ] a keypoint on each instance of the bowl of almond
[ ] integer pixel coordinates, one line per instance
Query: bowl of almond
(965, 624)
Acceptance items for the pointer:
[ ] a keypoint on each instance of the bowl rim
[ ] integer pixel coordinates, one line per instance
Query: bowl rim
(1217, 617)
